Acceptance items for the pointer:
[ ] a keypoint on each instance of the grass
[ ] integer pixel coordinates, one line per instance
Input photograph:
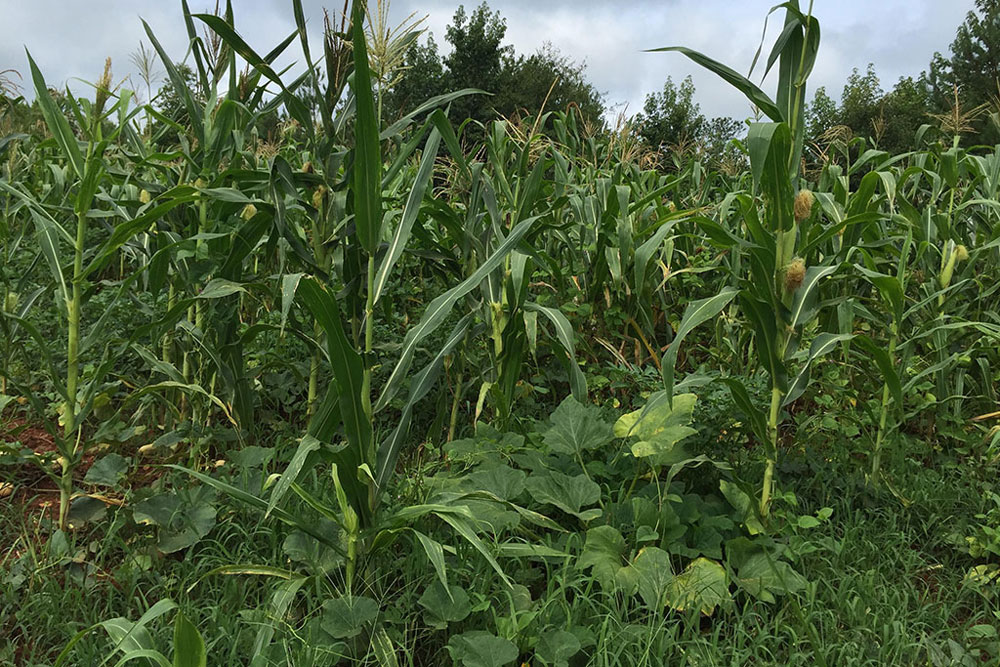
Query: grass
(886, 587)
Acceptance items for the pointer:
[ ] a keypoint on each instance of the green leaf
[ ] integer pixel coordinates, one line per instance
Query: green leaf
(654, 576)
(758, 425)
(501, 480)
(435, 553)
(366, 178)
(556, 647)
(348, 371)
(658, 427)
(770, 148)
(604, 551)
(823, 344)
(128, 636)
(745, 506)
(183, 518)
(413, 201)
(420, 386)
(756, 96)
(383, 649)
(696, 313)
(218, 288)
(804, 306)
(189, 647)
(347, 616)
(764, 577)
(884, 364)
(317, 556)
(481, 649)
(702, 585)
(438, 310)
(890, 289)
(56, 121)
(565, 334)
(107, 470)
(570, 494)
(577, 428)
(444, 605)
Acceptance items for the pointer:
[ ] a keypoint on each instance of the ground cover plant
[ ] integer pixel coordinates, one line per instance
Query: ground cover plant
(297, 369)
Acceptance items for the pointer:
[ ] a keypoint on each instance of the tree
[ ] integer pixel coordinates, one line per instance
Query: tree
(422, 78)
(550, 78)
(476, 60)
(904, 110)
(671, 117)
(821, 115)
(168, 102)
(973, 70)
(860, 104)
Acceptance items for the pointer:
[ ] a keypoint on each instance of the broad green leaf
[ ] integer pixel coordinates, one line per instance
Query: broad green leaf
(107, 470)
(744, 505)
(500, 480)
(764, 577)
(654, 575)
(577, 428)
(657, 427)
(304, 523)
(444, 605)
(182, 518)
(604, 551)
(557, 647)
(189, 647)
(696, 313)
(702, 585)
(758, 425)
(317, 556)
(481, 649)
(568, 493)
(347, 616)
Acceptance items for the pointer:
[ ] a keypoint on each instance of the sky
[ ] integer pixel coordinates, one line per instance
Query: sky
(69, 39)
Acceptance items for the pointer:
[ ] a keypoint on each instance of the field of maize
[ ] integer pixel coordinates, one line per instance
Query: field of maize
(407, 392)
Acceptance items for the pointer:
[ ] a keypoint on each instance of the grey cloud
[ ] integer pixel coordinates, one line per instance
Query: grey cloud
(70, 38)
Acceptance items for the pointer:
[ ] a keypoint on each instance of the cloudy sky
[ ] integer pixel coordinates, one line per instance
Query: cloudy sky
(71, 38)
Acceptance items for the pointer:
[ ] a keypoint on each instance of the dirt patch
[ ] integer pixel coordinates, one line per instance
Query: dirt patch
(34, 438)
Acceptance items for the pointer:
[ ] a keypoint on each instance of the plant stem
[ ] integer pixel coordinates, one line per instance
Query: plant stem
(69, 457)
(369, 337)
(883, 418)
(772, 435)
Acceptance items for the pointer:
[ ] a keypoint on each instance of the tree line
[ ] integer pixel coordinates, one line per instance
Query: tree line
(958, 93)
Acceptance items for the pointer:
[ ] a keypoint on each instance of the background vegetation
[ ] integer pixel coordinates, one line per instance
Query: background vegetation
(410, 359)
